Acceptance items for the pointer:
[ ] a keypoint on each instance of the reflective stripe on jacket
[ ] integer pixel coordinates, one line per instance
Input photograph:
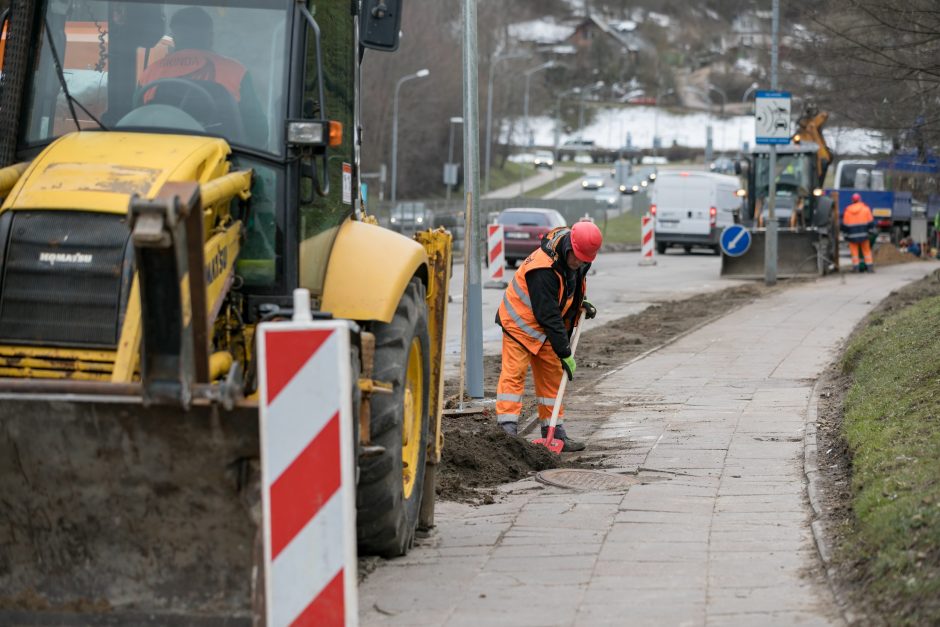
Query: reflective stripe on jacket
(197, 65)
(515, 314)
(857, 221)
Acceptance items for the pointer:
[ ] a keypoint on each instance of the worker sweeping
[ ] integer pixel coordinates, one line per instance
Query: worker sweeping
(539, 309)
(857, 221)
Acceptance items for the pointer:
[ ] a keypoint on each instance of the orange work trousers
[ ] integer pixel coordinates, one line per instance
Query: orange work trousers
(546, 372)
(865, 247)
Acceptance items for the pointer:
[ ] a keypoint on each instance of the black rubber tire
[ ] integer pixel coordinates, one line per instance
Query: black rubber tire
(660, 248)
(687, 249)
(511, 263)
(386, 520)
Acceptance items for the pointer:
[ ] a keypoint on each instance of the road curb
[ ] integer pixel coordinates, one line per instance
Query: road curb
(814, 492)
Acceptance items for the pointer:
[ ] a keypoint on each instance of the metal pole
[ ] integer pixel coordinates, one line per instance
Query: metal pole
(474, 320)
(770, 250)
(419, 74)
(525, 131)
(489, 127)
(395, 138)
(450, 150)
(450, 157)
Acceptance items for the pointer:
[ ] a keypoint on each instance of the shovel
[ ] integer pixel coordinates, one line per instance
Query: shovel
(549, 440)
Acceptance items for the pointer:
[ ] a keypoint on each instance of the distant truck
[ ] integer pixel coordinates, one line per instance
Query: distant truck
(897, 189)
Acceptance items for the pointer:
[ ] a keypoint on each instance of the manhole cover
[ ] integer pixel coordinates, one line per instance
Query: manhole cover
(586, 479)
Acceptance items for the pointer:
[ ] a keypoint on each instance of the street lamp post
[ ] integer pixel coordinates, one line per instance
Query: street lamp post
(489, 115)
(584, 92)
(724, 98)
(525, 99)
(419, 74)
(747, 93)
(450, 151)
(573, 90)
(525, 112)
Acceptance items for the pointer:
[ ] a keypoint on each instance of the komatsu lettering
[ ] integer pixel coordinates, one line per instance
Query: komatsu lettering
(54, 258)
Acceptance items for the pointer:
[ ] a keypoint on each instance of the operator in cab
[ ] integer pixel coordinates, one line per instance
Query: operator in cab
(537, 315)
(192, 59)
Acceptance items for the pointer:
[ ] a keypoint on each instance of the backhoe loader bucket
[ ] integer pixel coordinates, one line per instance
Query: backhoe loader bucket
(797, 255)
(118, 514)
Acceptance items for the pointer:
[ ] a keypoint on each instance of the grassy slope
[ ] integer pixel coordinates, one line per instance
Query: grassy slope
(892, 425)
(624, 229)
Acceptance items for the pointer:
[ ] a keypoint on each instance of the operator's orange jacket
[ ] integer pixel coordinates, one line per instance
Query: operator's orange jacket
(198, 65)
(857, 221)
(515, 313)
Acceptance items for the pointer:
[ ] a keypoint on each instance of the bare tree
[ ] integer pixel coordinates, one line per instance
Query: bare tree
(877, 63)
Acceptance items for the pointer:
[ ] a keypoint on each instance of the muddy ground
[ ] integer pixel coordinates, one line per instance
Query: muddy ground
(835, 461)
(478, 456)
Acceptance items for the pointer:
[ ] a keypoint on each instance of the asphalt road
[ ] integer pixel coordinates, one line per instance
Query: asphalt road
(618, 287)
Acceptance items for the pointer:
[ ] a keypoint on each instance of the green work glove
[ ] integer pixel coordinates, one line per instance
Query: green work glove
(568, 364)
(589, 310)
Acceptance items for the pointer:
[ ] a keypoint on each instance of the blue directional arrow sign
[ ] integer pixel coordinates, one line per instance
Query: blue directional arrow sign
(735, 240)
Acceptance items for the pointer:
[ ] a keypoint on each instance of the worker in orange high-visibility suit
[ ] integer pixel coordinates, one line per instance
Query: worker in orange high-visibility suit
(539, 309)
(857, 221)
(193, 62)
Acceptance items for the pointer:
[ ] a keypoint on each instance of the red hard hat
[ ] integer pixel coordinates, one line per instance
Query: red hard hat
(586, 239)
(856, 197)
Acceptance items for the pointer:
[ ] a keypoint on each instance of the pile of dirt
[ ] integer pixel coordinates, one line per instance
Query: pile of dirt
(478, 455)
(889, 254)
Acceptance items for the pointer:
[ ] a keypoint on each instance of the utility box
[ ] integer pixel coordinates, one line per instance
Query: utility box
(919, 223)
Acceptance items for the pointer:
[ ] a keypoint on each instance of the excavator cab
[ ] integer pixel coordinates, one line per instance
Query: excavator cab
(172, 173)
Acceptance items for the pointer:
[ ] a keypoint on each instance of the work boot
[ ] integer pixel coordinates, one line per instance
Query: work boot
(509, 427)
(571, 446)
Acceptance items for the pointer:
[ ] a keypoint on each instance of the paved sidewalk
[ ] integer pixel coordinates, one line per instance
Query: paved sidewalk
(720, 533)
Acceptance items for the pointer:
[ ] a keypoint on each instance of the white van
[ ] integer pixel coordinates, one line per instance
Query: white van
(691, 208)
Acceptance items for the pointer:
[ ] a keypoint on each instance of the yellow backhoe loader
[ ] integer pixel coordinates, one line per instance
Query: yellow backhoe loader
(808, 227)
(169, 174)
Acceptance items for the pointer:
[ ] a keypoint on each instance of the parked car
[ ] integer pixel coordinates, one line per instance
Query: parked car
(692, 208)
(523, 229)
(592, 182)
(544, 159)
(410, 217)
(608, 197)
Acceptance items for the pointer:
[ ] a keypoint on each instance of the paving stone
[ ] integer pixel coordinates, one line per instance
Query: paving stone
(722, 540)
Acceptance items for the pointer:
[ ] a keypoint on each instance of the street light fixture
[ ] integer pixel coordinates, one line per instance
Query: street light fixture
(419, 74)
(720, 92)
(525, 100)
(489, 114)
(584, 92)
(750, 90)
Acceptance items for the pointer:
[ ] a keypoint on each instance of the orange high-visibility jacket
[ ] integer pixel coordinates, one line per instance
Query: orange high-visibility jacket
(515, 313)
(857, 221)
(198, 65)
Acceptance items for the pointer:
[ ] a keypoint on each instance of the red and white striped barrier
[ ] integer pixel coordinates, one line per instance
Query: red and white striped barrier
(495, 252)
(648, 240)
(307, 473)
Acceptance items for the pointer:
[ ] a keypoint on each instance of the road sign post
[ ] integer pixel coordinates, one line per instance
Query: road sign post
(735, 240)
(772, 126)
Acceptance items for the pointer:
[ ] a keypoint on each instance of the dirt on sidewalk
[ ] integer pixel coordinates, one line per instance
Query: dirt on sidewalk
(478, 456)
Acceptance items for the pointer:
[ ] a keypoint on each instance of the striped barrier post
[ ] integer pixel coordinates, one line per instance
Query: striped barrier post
(496, 256)
(648, 239)
(307, 473)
